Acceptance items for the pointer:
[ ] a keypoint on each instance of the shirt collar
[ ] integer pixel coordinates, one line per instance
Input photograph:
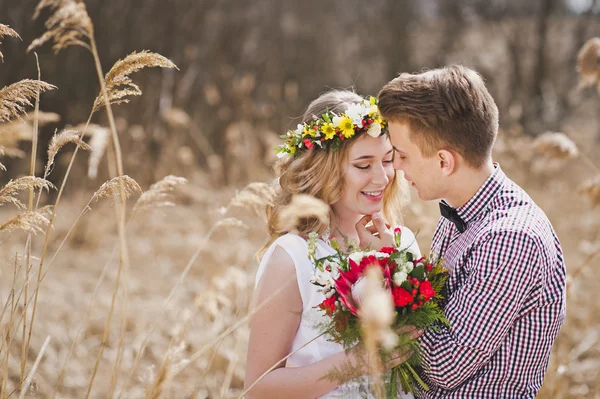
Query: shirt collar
(469, 211)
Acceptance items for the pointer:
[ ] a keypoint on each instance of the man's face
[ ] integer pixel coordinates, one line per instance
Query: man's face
(422, 172)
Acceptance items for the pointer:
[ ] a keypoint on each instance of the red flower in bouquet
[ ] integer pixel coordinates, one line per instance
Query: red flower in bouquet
(401, 296)
(426, 290)
(412, 285)
(328, 305)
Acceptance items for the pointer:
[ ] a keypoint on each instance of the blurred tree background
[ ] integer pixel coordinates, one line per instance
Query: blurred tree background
(247, 69)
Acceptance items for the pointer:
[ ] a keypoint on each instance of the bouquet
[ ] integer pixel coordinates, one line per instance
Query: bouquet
(416, 289)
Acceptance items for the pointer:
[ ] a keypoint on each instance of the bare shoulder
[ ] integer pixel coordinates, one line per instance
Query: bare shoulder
(279, 278)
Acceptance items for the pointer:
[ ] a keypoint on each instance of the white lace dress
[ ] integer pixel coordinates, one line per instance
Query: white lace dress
(297, 248)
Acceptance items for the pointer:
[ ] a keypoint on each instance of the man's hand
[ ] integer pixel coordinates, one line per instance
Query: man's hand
(378, 235)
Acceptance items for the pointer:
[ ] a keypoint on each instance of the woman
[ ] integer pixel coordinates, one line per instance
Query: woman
(350, 169)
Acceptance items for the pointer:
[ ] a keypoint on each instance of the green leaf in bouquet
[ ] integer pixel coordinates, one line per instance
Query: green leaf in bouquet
(406, 285)
(418, 272)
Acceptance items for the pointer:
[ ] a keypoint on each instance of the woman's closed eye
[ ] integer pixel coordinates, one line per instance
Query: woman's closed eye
(368, 166)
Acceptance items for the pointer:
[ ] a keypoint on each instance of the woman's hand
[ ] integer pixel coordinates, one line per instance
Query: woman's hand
(377, 235)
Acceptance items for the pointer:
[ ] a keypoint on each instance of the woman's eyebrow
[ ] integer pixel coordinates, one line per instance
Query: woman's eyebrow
(371, 156)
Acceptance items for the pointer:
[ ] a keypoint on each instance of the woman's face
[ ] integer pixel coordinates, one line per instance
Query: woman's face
(367, 172)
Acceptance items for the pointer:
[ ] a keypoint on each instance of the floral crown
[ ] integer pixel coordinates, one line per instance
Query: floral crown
(331, 129)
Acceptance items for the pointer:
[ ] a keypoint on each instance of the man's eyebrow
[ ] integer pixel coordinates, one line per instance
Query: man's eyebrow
(371, 156)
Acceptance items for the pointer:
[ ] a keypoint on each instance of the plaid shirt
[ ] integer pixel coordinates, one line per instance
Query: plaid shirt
(505, 297)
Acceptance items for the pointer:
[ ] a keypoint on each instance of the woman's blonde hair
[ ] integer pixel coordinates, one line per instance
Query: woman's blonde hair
(320, 173)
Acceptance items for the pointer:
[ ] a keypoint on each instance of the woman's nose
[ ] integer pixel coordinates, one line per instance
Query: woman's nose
(380, 176)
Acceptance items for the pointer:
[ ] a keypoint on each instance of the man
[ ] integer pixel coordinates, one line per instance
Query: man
(506, 292)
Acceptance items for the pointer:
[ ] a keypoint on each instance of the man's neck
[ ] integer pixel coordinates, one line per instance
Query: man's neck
(467, 184)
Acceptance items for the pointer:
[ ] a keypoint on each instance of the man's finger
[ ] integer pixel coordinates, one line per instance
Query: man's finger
(410, 331)
(399, 357)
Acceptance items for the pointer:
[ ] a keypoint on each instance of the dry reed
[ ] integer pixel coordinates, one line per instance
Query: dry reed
(29, 221)
(69, 24)
(556, 145)
(119, 85)
(302, 207)
(591, 190)
(17, 96)
(8, 193)
(62, 139)
(588, 63)
(5, 30)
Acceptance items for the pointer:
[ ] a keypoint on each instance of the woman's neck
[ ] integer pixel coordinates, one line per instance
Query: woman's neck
(344, 225)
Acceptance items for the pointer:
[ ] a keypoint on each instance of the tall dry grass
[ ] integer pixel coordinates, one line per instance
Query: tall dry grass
(180, 277)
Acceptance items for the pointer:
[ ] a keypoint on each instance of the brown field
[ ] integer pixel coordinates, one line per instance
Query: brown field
(168, 317)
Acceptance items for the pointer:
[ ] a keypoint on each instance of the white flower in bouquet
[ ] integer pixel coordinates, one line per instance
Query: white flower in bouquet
(400, 277)
(406, 267)
(357, 256)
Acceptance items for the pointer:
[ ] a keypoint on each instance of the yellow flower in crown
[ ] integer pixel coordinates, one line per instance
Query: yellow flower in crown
(328, 130)
(346, 126)
(309, 131)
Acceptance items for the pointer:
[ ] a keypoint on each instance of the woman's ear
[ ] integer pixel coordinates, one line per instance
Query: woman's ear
(447, 161)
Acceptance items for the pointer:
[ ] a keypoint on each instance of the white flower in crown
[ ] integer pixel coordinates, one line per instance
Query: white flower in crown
(374, 130)
(373, 109)
(299, 130)
(357, 112)
(400, 277)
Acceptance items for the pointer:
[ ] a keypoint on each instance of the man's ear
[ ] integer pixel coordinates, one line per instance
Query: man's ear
(447, 161)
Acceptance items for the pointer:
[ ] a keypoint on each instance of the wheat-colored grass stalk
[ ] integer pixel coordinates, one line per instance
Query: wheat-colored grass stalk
(61, 139)
(376, 313)
(588, 64)
(175, 288)
(255, 196)
(69, 25)
(556, 145)
(28, 221)
(34, 368)
(118, 83)
(5, 30)
(591, 190)
(155, 389)
(159, 194)
(302, 206)
(17, 96)
(98, 144)
(34, 141)
(43, 118)
(8, 193)
(112, 188)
